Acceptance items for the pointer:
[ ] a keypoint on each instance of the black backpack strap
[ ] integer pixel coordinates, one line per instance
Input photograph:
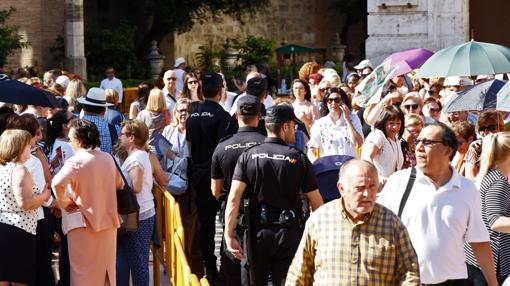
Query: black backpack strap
(409, 186)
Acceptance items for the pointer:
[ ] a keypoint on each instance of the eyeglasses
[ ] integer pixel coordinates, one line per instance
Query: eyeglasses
(489, 128)
(434, 109)
(171, 78)
(182, 110)
(298, 88)
(192, 82)
(335, 99)
(426, 142)
(411, 106)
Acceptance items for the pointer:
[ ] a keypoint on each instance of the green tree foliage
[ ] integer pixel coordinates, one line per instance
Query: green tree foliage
(255, 50)
(10, 40)
(111, 47)
(155, 19)
(208, 56)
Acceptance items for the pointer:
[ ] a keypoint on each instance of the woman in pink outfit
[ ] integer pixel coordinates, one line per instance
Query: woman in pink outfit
(85, 189)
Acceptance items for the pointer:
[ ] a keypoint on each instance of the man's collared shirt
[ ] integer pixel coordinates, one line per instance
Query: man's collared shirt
(104, 131)
(115, 83)
(333, 137)
(439, 221)
(336, 251)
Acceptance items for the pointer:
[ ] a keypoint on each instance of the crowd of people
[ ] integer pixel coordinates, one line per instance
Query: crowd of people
(424, 197)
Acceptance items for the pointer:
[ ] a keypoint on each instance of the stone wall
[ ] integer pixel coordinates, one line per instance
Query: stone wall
(395, 25)
(40, 22)
(308, 23)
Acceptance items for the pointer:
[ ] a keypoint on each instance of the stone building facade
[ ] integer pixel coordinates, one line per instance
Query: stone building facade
(395, 25)
(308, 23)
(40, 22)
(312, 23)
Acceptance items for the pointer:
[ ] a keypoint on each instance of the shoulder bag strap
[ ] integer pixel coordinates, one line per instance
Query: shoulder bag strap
(120, 170)
(409, 186)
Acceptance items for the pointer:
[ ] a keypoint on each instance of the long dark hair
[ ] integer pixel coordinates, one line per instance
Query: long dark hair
(391, 112)
(186, 92)
(55, 129)
(345, 98)
(144, 89)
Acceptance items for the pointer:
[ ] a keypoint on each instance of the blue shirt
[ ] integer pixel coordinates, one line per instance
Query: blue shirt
(104, 132)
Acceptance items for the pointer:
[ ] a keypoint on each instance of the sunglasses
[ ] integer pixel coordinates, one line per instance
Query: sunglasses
(434, 109)
(411, 106)
(489, 128)
(192, 82)
(182, 110)
(426, 142)
(171, 78)
(336, 100)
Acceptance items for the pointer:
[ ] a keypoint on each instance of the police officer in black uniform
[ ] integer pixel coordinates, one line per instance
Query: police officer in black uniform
(257, 87)
(223, 164)
(204, 129)
(273, 175)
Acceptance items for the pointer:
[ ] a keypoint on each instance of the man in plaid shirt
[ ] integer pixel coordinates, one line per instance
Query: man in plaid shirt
(353, 240)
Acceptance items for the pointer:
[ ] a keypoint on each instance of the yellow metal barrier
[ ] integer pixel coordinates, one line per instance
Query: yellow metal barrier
(171, 254)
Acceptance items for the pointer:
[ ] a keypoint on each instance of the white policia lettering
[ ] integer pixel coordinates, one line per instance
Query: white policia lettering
(273, 157)
(240, 145)
(204, 114)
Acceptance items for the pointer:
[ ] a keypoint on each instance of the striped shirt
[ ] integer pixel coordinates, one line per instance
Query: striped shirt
(495, 193)
(336, 251)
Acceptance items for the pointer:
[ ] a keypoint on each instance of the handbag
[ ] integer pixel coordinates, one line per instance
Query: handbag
(127, 207)
(177, 177)
(178, 182)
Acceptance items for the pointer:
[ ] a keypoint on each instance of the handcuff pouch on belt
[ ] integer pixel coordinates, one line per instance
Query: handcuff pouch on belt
(272, 216)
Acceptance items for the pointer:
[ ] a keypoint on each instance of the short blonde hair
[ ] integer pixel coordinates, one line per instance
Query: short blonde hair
(181, 100)
(75, 89)
(156, 101)
(413, 119)
(413, 96)
(138, 129)
(12, 145)
(112, 96)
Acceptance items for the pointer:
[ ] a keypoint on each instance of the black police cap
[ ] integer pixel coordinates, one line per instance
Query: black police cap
(280, 113)
(249, 105)
(212, 79)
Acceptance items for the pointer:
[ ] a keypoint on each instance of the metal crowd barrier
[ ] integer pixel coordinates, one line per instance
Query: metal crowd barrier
(171, 255)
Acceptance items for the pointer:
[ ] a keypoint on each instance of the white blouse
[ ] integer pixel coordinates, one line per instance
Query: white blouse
(390, 157)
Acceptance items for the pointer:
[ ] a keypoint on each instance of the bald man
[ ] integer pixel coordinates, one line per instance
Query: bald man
(353, 240)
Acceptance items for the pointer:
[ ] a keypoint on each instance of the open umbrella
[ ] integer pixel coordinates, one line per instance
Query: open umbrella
(408, 60)
(13, 91)
(471, 58)
(492, 94)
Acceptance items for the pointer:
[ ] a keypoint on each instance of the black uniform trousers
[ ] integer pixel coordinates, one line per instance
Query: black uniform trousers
(207, 206)
(230, 266)
(44, 240)
(274, 247)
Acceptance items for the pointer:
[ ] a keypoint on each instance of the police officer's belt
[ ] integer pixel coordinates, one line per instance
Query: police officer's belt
(268, 215)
